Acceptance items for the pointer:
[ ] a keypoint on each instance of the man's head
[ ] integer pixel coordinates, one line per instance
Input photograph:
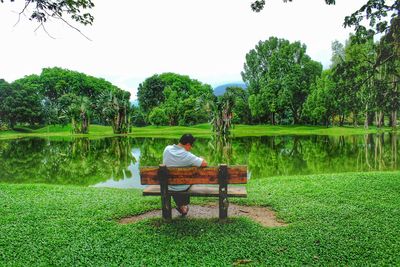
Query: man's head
(187, 141)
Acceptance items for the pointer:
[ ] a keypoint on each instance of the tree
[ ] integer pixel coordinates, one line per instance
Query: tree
(5, 90)
(150, 93)
(137, 117)
(241, 109)
(77, 109)
(221, 110)
(279, 75)
(19, 104)
(115, 108)
(376, 12)
(337, 53)
(177, 95)
(158, 116)
(321, 105)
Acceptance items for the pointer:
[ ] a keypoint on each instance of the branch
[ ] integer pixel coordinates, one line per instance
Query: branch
(75, 28)
(22, 12)
(66, 22)
(41, 25)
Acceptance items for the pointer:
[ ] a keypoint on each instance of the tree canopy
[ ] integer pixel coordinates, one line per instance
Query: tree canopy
(60, 96)
(173, 99)
(279, 75)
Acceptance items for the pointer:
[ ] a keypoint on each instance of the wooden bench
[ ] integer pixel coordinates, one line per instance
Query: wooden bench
(158, 179)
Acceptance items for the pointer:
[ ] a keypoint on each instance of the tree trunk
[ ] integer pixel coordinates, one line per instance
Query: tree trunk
(366, 121)
(370, 118)
(73, 124)
(341, 120)
(394, 119)
(355, 119)
(84, 123)
(378, 119)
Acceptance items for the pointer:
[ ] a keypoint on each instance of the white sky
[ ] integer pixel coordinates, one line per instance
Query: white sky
(134, 39)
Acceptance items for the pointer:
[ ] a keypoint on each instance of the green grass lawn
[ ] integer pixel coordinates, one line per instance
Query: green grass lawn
(200, 130)
(334, 220)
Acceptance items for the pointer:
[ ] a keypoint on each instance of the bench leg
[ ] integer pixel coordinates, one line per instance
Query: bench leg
(223, 204)
(223, 191)
(165, 197)
(166, 207)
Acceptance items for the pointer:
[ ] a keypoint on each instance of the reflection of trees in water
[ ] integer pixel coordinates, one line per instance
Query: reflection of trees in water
(279, 155)
(80, 161)
(394, 139)
(151, 150)
(321, 154)
(16, 161)
(282, 155)
(221, 149)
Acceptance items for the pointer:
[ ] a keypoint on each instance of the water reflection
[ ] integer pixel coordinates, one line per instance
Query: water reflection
(114, 162)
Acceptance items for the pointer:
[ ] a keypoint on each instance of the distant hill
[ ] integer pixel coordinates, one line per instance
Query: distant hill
(220, 90)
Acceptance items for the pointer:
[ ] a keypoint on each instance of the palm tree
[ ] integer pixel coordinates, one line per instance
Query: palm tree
(115, 107)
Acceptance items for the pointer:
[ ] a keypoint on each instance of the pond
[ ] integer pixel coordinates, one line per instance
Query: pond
(115, 161)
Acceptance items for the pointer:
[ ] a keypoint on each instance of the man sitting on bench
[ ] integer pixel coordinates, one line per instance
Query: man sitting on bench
(179, 156)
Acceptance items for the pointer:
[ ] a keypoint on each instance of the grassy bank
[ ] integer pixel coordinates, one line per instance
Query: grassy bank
(201, 130)
(341, 219)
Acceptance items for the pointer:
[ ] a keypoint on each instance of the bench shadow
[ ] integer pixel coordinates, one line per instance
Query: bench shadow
(261, 215)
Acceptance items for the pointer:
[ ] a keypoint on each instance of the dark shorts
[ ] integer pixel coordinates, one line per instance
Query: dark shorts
(182, 200)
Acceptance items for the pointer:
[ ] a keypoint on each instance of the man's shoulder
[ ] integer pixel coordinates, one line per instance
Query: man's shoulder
(169, 147)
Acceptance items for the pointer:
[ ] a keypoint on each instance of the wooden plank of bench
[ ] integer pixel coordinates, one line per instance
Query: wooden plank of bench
(200, 191)
(193, 175)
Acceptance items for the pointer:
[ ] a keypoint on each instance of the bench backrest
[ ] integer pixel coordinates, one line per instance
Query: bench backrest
(193, 175)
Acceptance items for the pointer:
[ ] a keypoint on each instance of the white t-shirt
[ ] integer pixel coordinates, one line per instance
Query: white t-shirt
(177, 156)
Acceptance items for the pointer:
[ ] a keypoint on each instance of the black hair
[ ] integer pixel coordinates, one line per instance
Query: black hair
(187, 139)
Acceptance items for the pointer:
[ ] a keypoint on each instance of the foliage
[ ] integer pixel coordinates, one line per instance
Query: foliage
(158, 116)
(177, 95)
(78, 109)
(19, 103)
(258, 5)
(43, 10)
(222, 114)
(376, 12)
(59, 96)
(137, 117)
(241, 110)
(115, 107)
(279, 75)
(322, 104)
(364, 87)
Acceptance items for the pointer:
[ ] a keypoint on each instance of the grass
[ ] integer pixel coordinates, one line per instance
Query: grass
(334, 220)
(200, 130)
(269, 130)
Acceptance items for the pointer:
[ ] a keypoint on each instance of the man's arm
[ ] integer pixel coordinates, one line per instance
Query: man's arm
(203, 163)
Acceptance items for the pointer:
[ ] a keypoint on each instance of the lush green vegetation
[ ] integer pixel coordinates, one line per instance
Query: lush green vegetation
(59, 96)
(200, 130)
(347, 219)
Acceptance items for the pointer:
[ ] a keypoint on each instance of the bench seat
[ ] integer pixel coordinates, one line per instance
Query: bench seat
(199, 191)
